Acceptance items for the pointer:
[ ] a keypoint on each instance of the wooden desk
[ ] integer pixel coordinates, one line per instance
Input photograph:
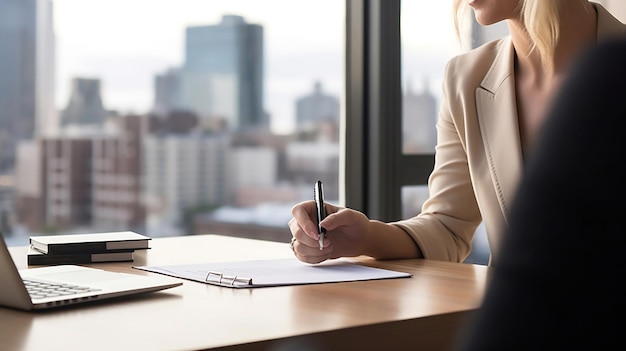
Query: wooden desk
(423, 312)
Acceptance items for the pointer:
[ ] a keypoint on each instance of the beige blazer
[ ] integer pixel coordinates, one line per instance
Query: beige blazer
(478, 160)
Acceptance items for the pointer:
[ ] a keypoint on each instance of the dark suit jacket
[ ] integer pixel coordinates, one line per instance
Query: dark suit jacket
(559, 282)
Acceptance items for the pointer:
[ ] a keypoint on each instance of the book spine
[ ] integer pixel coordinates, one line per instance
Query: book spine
(72, 248)
(127, 244)
(48, 259)
(90, 247)
(52, 260)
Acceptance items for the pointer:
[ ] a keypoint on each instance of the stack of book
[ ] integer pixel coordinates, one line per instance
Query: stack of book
(85, 248)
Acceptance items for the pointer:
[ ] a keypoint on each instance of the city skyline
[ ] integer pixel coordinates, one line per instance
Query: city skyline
(126, 57)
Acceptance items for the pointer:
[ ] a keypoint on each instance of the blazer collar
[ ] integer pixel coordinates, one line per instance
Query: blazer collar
(497, 117)
(608, 26)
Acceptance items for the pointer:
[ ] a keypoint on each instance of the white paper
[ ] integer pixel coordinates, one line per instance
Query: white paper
(275, 272)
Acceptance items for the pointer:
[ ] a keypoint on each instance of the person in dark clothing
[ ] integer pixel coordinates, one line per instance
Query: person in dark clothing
(557, 285)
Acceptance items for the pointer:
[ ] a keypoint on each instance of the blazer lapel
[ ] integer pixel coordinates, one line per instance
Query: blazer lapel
(497, 117)
(497, 114)
(608, 26)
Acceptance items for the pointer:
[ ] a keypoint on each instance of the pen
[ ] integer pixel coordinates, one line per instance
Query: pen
(318, 195)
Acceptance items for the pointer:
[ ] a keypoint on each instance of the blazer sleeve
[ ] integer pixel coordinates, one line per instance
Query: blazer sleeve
(446, 225)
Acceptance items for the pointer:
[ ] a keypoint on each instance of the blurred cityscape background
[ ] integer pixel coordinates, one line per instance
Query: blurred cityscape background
(221, 147)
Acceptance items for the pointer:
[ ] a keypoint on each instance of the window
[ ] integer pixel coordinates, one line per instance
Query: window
(428, 42)
(390, 123)
(227, 111)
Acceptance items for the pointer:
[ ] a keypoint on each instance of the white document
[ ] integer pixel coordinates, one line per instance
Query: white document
(264, 273)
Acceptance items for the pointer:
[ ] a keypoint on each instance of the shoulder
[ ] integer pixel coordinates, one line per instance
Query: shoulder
(485, 53)
(470, 69)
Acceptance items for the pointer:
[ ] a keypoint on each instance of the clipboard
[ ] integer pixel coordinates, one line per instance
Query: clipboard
(274, 272)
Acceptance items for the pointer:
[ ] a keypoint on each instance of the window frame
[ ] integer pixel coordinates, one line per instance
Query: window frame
(374, 168)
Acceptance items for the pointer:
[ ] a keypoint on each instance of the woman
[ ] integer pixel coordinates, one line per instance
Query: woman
(494, 99)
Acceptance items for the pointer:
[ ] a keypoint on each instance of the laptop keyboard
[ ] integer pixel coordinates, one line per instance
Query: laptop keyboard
(40, 290)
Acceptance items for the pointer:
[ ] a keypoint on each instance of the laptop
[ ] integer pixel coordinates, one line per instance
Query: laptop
(54, 286)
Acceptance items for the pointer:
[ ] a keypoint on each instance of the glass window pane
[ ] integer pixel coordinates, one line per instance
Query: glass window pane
(428, 42)
(168, 117)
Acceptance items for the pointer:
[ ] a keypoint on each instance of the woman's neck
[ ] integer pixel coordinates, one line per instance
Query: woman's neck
(578, 30)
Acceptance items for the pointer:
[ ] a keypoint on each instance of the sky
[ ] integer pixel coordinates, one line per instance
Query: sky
(125, 43)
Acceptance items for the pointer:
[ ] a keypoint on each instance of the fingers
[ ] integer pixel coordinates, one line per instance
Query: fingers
(309, 254)
(341, 217)
(303, 229)
(304, 215)
(302, 237)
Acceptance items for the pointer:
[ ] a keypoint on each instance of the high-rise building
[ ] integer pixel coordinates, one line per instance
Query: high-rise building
(116, 202)
(85, 104)
(7, 212)
(166, 92)
(316, 107)
(89, 179)
(419, 118)
(57, 196)
(26, 71)
(182, 171)
(222, 76)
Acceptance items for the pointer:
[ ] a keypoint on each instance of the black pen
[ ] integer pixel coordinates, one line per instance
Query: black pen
(318, 195)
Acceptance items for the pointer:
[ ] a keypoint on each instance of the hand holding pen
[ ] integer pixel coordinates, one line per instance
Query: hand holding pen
(318, 195)
(350, 230)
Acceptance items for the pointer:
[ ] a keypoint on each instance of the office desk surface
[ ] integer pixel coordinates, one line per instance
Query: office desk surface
(422, 312)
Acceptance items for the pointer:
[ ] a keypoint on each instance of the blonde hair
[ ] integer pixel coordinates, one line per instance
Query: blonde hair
(541, 19)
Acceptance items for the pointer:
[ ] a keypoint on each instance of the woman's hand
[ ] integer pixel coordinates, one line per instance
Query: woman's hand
(346, 232)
